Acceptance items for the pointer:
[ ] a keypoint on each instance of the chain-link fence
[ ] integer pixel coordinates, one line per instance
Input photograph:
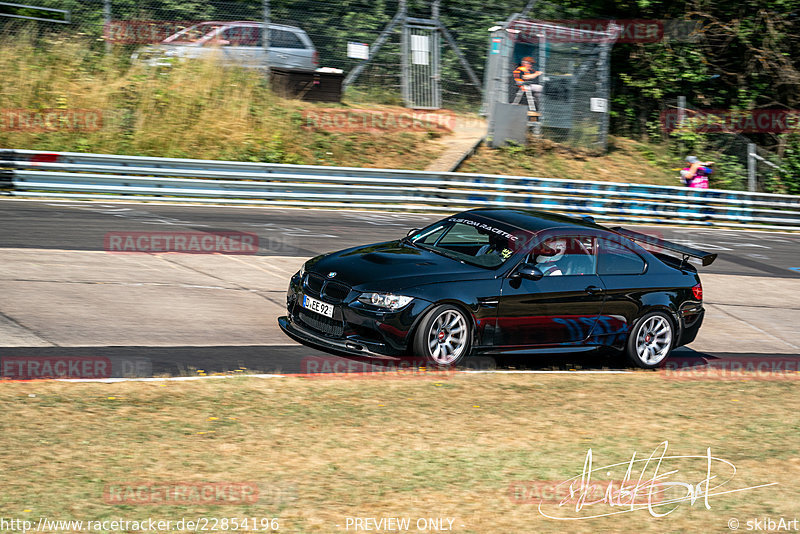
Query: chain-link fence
(555, 75)
(342, 34)
(739, 162)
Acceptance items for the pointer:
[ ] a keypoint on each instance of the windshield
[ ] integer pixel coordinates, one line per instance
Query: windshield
(483, 243)
(196, 33)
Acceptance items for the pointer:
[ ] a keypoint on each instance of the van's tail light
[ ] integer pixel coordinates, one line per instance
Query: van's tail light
(315, 58)
(697, 291)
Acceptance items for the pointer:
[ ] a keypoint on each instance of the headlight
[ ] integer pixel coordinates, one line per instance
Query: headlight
(302, 271)
(385, 300)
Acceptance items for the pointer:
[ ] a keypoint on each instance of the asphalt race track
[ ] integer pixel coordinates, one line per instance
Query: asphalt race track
(62, 294)
(295, 232)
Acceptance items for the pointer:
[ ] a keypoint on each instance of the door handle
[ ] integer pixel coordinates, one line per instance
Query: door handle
(593, 290)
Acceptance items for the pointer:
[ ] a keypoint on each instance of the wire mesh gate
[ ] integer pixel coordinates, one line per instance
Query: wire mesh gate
(574, 62)
(421, 63)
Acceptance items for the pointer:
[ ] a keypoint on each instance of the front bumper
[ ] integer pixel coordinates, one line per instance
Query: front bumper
(354, 328)
(353, 345)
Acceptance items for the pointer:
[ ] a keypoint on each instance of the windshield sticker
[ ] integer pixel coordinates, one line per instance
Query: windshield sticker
(506, 253)
(484, 226)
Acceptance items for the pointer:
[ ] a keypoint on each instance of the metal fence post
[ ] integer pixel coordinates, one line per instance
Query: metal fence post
(751, 167)
(265, 41)
(107, 24)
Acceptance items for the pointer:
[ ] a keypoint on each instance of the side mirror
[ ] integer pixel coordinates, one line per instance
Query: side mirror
(528, 271)
(412, 232)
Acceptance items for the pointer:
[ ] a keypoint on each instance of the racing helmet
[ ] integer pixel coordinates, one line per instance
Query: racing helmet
(554, 250)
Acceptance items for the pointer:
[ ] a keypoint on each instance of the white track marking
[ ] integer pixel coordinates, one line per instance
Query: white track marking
(540, 372)
(321, 375)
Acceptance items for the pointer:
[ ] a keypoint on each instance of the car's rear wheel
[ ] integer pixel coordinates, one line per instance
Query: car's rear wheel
(651, 340)
(444, 337)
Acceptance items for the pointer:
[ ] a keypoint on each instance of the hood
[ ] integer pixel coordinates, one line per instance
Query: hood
(392, 266)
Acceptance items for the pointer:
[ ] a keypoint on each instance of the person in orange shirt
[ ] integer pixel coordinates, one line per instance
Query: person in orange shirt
(523, 77)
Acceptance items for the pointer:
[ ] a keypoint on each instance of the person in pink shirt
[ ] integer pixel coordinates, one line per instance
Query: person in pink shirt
(696, 174)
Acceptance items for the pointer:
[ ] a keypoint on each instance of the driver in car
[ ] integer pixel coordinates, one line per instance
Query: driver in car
(548, 256)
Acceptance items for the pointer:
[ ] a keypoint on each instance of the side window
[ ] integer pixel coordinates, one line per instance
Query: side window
(242, 36)
(616, 258)
(565, 256)
(284, 39)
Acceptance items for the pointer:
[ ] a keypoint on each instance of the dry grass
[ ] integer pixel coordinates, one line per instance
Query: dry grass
(196, 109)
(397, 447)
(626, 161)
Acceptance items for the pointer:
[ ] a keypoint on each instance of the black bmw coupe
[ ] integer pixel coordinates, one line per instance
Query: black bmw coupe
(501, 282)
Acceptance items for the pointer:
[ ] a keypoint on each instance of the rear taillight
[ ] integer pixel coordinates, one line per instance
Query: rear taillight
(697, 291)
(315, 58)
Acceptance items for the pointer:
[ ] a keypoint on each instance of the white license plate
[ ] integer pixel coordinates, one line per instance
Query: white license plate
(317, 306)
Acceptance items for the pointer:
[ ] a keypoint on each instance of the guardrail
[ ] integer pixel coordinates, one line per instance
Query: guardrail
(93, 176)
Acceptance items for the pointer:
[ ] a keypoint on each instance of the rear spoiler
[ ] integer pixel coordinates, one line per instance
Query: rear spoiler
(687, 252)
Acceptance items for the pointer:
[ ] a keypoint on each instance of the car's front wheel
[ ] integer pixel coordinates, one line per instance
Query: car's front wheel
(651, 340)
(444, 336)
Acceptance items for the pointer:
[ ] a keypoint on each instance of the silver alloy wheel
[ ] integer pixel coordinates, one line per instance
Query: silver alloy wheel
(654, 340)
(447, 337)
